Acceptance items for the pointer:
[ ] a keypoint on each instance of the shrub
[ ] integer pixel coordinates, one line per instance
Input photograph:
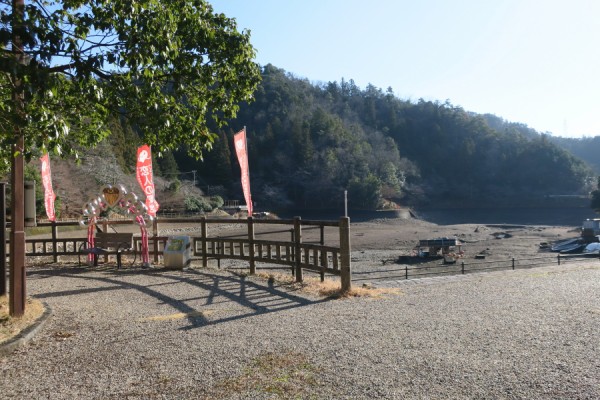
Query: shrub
(197, 204)
(216, 202)
(175, 186)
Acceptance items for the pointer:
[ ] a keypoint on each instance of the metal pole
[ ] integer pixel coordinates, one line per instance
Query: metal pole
(250, 207)
(297, 249)
(251, 246)
(155, 239)
(204, 232)
(346, 203)
(54, 242)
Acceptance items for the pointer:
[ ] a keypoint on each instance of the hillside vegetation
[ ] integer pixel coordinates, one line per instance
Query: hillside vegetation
(309, 142)
(586, 148)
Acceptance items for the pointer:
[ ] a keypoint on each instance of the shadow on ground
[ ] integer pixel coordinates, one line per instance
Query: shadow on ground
(237, 295)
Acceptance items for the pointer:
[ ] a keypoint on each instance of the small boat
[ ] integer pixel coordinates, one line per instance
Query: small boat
(574, 248)
(566, 244)
(592, 249)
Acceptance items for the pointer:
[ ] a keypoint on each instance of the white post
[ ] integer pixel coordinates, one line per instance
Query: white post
(346, 203)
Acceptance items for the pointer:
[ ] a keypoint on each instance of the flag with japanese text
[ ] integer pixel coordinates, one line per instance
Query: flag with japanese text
(239, 141)
(145, 178)
(49, 195)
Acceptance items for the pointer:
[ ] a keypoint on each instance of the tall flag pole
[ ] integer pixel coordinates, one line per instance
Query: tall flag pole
(49, 195)
(241, 149)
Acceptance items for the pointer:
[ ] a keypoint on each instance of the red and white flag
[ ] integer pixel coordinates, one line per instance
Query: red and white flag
(49, 195)
(239, 141)
(145, 178)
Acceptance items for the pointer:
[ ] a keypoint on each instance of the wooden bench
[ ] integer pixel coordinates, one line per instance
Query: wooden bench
(106, 243)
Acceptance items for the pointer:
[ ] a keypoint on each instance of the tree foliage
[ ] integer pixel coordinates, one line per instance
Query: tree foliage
(168, 68)
(586, 148)
(595, 203)
(310, 142)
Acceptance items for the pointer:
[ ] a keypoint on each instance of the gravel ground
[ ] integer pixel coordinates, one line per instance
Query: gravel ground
(205, 333)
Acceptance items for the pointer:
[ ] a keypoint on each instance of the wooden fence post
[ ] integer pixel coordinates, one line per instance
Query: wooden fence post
(345, 269)
(251, 245)
(204, 233)
(54, 244)
(323, 253)
(297, 251)
(322, 231)
(155, 239)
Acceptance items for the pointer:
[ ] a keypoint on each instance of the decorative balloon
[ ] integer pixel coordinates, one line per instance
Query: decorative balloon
(125, 200)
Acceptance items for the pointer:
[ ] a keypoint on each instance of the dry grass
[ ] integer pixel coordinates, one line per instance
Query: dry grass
(11, 326)
(328, 288)
(282, 376)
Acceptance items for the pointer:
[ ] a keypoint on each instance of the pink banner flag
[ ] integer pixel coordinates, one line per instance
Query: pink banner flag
(49, 195)
(239, 140)
(145, 178)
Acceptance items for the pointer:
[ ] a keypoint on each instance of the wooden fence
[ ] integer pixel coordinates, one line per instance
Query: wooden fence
(295, 253)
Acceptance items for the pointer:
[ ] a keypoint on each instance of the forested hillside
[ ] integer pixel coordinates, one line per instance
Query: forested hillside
(587, 148)
(310, 142)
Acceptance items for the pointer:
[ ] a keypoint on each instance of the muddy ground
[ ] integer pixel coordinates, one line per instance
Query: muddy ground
(383, 249)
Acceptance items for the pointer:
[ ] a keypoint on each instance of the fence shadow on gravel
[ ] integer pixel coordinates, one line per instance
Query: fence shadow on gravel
(399, 271)
(248, 298)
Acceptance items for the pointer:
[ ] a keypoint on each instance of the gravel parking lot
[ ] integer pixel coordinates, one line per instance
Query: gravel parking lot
(206, 333)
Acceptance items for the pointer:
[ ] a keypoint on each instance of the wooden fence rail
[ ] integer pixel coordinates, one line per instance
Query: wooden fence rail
(296, 254)
(317, 258)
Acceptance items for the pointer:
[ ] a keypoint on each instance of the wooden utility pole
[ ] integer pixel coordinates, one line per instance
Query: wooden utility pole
(3, 288)
(17, 226)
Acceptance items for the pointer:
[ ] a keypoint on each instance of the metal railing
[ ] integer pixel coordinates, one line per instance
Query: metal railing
(461, 268)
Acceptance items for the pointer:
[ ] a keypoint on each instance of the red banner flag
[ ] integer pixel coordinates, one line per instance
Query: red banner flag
(145, 179)
(49, 195)
(239, 140)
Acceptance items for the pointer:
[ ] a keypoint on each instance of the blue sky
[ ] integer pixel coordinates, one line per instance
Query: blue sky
(529, 61)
